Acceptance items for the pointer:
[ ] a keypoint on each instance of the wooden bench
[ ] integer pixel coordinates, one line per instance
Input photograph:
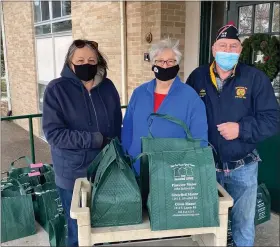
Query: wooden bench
(87, 236)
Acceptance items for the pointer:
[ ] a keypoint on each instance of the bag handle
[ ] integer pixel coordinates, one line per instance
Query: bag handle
(28, 161)
(102, 168)
(100, 172)
(173, 120)
(48, 166)
(117, 145)
(94, 164)
(149, 153)
(182, 124)
(6, 185)
(21, 189)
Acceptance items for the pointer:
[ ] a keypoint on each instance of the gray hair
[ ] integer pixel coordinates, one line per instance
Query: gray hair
(157, 48)
(71, 52)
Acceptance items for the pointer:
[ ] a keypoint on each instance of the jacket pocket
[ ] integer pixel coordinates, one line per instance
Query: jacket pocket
(58, 161)
(74, 164)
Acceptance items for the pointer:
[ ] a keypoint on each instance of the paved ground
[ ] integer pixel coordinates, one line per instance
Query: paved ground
(15, 143)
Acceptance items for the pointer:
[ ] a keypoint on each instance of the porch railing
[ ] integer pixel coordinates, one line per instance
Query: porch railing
(30, 130)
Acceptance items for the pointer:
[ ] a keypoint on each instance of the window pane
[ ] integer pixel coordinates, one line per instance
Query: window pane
(245, 19)
(45, 10)
(41, 129)
(262, 18)
(66, 8)
(43, 29)
(276, 18)
(61, 45)
(45, 59)
(41, 90)
(276, 87)
(56, 8)
(62, 26)
(37, 11)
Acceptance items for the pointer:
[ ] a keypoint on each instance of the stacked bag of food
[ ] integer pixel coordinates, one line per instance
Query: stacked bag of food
(29, 193)
(177, 173)
(116, 198)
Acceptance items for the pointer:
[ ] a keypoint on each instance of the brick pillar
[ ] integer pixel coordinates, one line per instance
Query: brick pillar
(19, 31)
(100, 21)
(162, 19)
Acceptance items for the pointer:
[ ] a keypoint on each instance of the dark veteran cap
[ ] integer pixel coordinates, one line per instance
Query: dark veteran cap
(229, 31)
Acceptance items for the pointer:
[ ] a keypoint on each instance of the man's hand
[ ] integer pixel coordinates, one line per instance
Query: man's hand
(229, 130)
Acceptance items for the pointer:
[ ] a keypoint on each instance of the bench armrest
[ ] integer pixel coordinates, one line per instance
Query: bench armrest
(225, 200)
(80, 202)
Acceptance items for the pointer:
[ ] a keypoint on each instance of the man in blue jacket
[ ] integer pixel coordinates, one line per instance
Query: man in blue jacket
(242, 110)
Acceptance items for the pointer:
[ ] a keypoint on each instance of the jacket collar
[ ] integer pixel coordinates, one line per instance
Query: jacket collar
(152, 85)
(214, 74)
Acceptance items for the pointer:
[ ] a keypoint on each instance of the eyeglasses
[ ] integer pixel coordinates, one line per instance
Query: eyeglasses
(224, 46)
(79, 43)
(169, 62)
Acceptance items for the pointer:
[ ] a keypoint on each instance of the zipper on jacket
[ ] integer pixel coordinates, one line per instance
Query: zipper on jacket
(104, 108)
(94, 111)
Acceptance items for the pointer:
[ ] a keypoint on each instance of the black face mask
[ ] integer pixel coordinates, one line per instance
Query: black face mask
(85, 72)
(165, 74)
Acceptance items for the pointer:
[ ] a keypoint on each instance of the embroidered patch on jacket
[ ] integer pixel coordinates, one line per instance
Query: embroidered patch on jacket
(202, 93)
(240, 92)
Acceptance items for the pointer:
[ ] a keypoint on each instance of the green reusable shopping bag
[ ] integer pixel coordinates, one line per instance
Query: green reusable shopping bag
(17, 216)
(263, 205)
(58, 231)
(47, 174)
(116, 198)
(151, 144)
(21, 174)
(47, 204)
(182, 179)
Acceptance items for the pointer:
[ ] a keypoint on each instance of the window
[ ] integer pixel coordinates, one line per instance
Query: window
(245, 19)
(259, 18)
(262, 12)
(50, 55)
(53, 26)
(52, 16)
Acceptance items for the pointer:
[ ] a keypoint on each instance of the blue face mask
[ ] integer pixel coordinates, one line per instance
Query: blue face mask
(226, 60)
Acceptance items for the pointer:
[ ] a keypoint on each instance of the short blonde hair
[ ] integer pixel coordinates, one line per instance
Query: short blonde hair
(158, 47)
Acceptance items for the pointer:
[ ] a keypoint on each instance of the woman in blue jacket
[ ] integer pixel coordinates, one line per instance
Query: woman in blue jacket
(165, 94)
(81, 112)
